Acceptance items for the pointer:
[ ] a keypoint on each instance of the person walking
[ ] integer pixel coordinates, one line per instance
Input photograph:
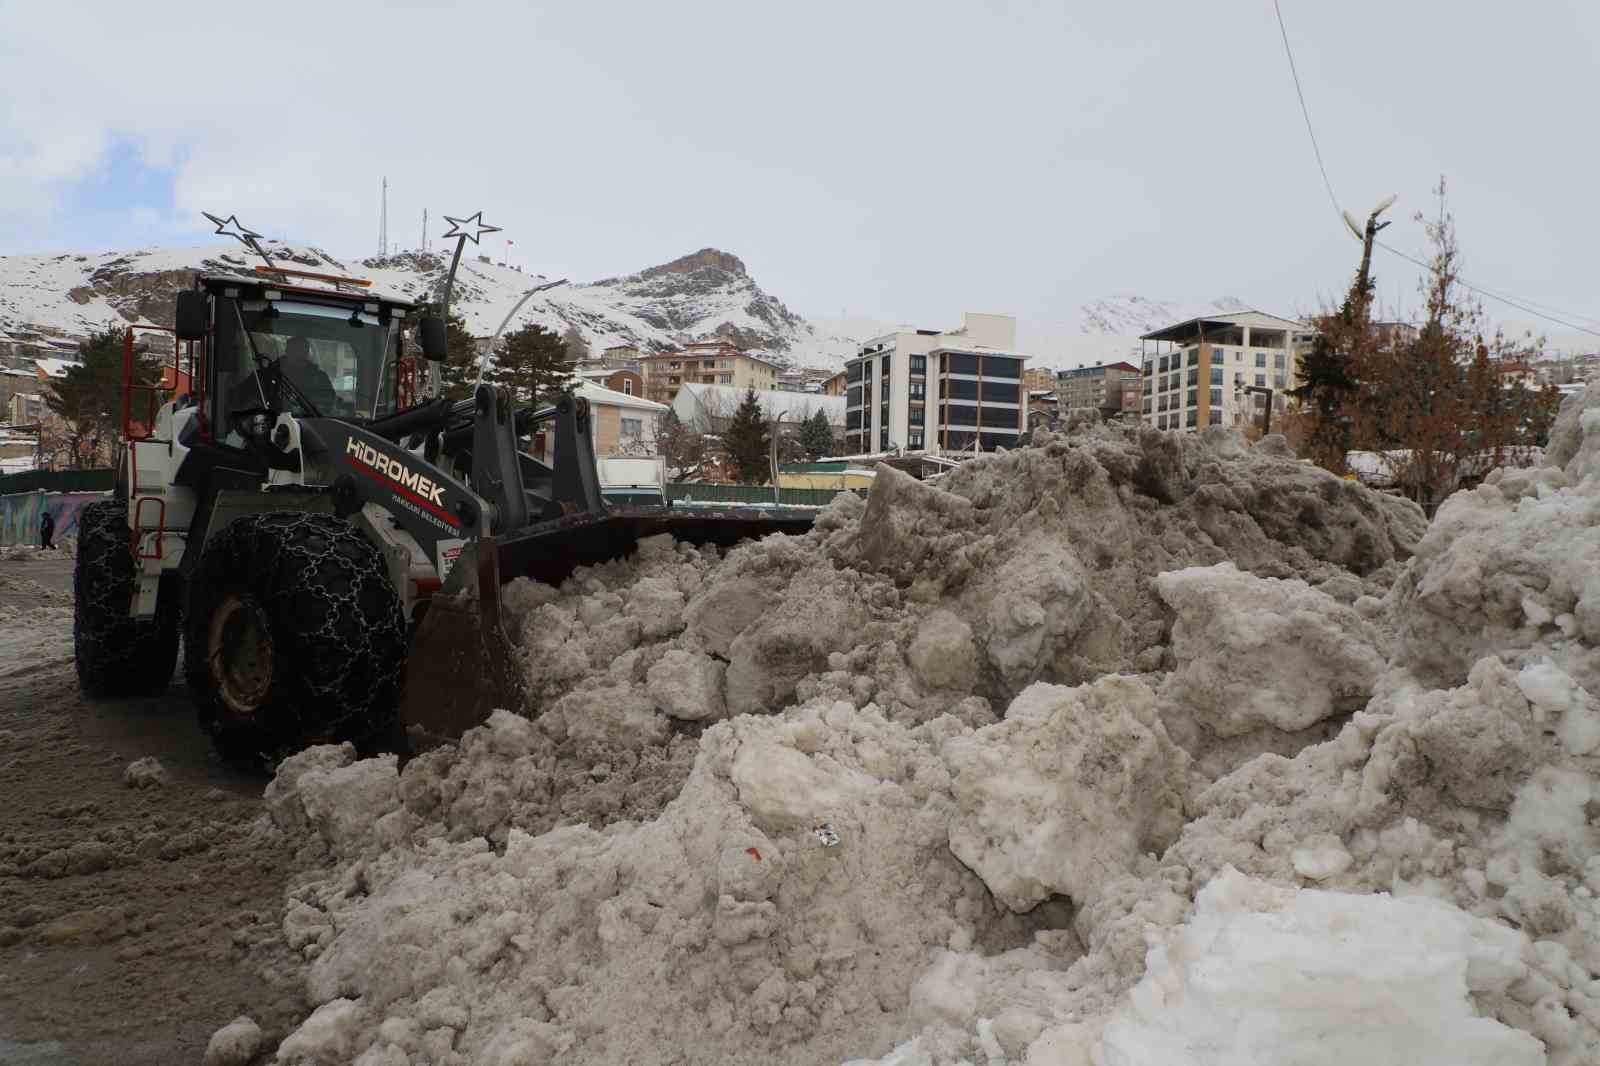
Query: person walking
(47, 529)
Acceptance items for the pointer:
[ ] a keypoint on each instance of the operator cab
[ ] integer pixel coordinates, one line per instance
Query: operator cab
(276, 344)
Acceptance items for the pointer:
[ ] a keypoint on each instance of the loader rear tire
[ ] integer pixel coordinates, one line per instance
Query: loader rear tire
(293, 636)
(116, 655)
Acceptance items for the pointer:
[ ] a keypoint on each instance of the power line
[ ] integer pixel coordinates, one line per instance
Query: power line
(1526, 306)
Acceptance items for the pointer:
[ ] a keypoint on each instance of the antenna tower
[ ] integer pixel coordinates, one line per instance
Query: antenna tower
(383, 222)
(424, 229)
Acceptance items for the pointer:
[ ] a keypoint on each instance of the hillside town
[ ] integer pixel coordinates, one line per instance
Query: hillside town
(941, 394)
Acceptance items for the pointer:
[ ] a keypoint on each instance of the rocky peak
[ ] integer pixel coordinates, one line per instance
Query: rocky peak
(706, 259)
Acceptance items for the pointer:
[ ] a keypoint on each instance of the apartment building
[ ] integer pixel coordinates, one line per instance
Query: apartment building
(704, 363)
(1038, 378)
(1200, 372)
(925, 390)
(1101, 387)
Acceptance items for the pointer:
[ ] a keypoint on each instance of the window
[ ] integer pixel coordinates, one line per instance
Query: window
(1218, 353)
(1194, 397)
(1216, 398)
(725, 379)
(919, 364)
(1149, 369)
(1261, 380)
(1194, 375)
(674, 365)
(632, 428)
(914, 438)
(1164, 366)
(883, 367)
(999, 367)
(1238, 378)
(1191, 419)
(917, 390)
(961, 364)
(1147, 405)
(1261, 359)
(1277, 360)
(708, 364)
(1216, 417)
(627, 386)
(1277, 381)
(999, 392)
(1216, 375)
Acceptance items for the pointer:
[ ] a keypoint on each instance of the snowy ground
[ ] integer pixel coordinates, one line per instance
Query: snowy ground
(1121, 749)
(137, 911)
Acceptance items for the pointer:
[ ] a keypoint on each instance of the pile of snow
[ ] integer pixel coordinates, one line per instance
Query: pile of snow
(1123, 748)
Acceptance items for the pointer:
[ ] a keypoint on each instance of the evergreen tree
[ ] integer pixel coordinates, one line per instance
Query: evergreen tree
(577, 347)
(88, 399)
(459, 371)
(748, 441)
(532, 363)
(816, 436)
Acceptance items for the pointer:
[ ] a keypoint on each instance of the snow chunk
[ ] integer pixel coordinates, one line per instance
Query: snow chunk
(687, 685)
(1266, 974)
(943, 653)
(1067, 792)
(146, 773)
(235, 1044)
(1256, 651)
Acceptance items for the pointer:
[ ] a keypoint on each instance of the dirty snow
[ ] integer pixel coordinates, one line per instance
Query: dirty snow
(1319, 792)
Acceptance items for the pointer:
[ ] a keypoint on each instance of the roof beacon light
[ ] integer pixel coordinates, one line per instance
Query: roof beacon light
(335, 279)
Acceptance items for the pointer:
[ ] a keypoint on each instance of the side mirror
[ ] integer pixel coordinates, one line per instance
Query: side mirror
(431, 335)
(193, 315)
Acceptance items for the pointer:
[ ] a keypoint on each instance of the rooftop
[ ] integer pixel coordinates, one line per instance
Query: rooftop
(1190, 328)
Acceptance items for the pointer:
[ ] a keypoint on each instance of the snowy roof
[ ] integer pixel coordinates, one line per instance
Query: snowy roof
(775, 403)
(1227, 318)
(597, 394)
(55, 368)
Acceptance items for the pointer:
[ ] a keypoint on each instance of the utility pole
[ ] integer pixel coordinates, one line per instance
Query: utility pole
(424, 246)
(383, 222)
(1367, 237)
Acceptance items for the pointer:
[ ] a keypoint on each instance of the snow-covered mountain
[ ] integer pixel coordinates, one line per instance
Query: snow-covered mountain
(1132, 315)
(704, 295)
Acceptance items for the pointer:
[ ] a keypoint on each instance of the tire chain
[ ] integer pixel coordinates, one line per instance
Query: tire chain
(320, 580)
(116, 654)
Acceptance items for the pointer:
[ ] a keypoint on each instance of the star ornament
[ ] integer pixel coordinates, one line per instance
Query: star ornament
(469, 228)
(231, 227)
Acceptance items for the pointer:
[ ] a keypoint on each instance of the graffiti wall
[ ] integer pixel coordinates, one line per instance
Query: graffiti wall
(20, 513)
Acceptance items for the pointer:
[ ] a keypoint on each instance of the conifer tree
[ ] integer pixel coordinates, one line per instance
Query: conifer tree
(816, 435)
(748, 441)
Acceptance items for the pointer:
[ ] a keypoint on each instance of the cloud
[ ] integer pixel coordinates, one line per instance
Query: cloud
(901, 160)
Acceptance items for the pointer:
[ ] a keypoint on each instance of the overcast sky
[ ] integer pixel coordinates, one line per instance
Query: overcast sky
(904, 161)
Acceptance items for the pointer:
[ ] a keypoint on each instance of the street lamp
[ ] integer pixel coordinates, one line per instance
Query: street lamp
(483, 360)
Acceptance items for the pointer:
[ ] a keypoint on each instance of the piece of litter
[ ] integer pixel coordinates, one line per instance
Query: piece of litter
(826, 834)
(753, 853)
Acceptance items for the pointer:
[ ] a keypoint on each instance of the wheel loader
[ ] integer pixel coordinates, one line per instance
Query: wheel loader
(325, 534)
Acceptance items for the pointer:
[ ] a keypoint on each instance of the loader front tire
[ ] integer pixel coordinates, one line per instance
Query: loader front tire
(116, 655)
(293, 636)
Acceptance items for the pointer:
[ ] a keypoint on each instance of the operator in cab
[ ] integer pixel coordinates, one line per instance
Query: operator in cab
(307, 376)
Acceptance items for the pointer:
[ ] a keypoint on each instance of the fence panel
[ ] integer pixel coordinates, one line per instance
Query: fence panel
(20, 514)
(58, 481)
(753, 494)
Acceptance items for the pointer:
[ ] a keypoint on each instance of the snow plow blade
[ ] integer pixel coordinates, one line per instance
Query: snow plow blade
(463, 665)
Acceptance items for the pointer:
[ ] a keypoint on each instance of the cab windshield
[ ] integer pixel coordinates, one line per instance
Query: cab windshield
(339, 367)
